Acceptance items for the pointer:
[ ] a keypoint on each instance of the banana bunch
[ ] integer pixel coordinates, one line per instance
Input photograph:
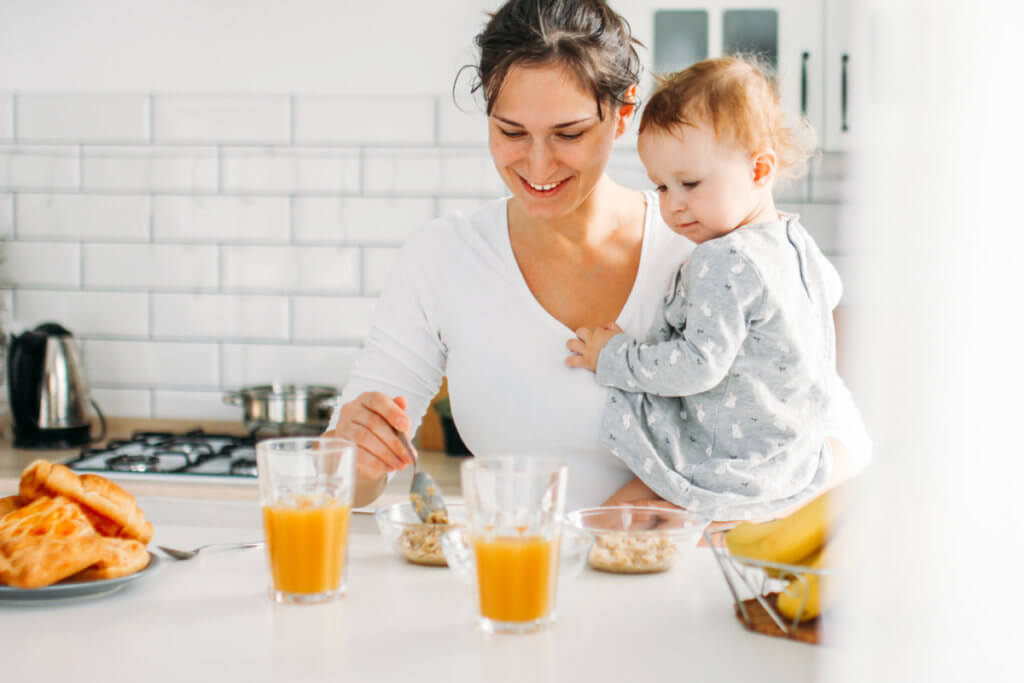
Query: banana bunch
(797, 539)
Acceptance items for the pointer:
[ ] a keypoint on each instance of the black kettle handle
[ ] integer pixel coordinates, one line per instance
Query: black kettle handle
(24, 377)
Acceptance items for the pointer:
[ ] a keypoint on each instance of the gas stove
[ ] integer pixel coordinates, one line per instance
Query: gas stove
(195, 456)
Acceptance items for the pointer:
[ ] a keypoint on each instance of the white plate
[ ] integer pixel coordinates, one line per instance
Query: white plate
(75, 591)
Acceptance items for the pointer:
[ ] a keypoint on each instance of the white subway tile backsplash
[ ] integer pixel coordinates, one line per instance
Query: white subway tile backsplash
(151, 266)
(377, 264)
(6, 308)
(465, 126)
(222, 119)
(364, 220)
(6, 215)
(220, 219)
(83, 216)
(43, 264)
(246, 364)
(291, 170)
(86, 313)
(467, 207)
(291, 269)
(82, 117)
(220, 316)
(331, 319)
(38, 167)
(123, 402)
(196, 405)
(431, 171)
(368, 120)
(6, 117)
(152, 169)
(226, 239)
(147, 363)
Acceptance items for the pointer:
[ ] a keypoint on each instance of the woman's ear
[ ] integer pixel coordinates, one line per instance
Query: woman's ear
(626, 111)
(764, 164)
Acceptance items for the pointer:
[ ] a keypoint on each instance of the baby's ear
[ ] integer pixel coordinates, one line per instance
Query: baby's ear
(764, 165)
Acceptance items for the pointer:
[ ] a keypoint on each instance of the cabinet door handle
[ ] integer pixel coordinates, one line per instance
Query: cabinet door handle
(803, 82)
(846, 61)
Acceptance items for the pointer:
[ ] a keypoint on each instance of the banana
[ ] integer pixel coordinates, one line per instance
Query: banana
(789, 539)
(804, 592)
(808, 561)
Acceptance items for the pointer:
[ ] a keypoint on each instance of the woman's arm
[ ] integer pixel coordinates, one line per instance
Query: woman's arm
(398, 371)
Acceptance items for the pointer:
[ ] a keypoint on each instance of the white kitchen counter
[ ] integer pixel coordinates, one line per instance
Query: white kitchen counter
(210, 619)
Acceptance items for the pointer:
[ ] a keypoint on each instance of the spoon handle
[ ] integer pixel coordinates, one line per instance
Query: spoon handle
(408, 446)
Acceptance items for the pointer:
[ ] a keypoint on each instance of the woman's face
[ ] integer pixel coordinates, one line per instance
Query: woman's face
(547, 141)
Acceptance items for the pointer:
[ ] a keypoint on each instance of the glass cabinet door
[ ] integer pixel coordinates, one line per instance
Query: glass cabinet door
(680, 39)
(752, 32)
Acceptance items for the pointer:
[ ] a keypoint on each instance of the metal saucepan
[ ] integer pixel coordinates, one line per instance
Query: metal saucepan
(278, 405)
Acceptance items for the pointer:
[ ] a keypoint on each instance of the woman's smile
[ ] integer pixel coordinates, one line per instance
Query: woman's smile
(544, 190)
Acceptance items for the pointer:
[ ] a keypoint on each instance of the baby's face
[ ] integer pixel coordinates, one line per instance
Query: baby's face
(706, 185)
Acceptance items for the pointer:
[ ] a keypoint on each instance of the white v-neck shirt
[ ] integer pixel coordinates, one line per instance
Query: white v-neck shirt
(457, 305)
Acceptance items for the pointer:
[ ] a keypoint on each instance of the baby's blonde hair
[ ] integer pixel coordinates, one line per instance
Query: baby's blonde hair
(737, 97)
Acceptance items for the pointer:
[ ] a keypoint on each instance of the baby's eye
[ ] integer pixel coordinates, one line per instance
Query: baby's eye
(570, 136)
(511, 133)
(690, 186)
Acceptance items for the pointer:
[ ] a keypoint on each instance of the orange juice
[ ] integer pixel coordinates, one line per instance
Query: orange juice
(514, 576)
(306, 545)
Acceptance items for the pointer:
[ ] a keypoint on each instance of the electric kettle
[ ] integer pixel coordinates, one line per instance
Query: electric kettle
(49, 398)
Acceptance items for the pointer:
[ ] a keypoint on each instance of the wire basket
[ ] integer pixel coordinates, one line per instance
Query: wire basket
(754, 585)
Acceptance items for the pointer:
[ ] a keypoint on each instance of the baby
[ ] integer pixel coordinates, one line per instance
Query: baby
(722, 410)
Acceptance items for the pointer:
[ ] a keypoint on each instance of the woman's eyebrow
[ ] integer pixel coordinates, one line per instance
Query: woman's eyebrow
(557, 125)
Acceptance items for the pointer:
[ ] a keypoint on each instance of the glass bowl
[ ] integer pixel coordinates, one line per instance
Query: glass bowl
(413, 539)
(637, 539)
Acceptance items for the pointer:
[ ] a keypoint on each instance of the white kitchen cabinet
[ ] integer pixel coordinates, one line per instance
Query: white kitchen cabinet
(788, 32)
(840, 75)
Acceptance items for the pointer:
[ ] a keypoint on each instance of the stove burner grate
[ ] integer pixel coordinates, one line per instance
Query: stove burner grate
(195, 453)
(134, 463)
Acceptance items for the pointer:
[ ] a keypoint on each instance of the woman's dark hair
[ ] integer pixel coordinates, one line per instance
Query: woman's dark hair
(586, 36)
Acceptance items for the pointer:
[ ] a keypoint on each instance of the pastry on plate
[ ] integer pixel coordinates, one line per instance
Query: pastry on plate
(120, 557)
(46, 541)
(9, 504)
(112, 510)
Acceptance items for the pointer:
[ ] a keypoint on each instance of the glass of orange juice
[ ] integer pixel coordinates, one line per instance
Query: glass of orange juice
(514, 509)
(306, 490)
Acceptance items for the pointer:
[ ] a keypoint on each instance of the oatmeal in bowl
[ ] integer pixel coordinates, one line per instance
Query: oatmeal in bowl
(417, 541)
(633, 539)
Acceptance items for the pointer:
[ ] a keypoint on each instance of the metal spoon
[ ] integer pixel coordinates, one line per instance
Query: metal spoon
(424, 493)
(189, 554)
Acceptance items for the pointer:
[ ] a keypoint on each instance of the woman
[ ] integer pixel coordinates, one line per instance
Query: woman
(490, 299)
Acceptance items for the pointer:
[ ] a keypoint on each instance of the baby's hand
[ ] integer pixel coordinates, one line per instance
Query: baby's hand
(587, 345)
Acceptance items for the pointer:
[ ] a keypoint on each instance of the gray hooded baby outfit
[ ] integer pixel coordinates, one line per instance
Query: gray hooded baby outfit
(722, 410)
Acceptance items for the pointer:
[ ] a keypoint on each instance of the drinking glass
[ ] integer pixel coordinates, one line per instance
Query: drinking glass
(306, 490)
(514, 509)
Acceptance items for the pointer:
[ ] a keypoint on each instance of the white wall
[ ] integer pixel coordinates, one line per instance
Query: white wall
(337, 46)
